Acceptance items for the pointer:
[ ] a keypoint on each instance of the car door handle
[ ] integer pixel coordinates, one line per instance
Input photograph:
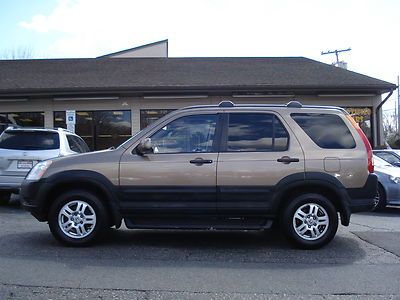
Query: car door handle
(287, 159)
(200, 161)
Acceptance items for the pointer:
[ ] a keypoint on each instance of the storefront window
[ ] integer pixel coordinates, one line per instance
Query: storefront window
(25, 119)
(100, 129)
(363, 116)
(148, 116)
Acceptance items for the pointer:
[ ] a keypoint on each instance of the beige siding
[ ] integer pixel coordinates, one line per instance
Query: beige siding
(135, 104)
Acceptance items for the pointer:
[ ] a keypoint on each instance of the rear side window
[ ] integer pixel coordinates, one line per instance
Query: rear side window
(256, 132)
(76, 144)
(29, 140)
(326, 130)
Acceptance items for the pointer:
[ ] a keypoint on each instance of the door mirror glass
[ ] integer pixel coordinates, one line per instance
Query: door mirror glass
(144, 147)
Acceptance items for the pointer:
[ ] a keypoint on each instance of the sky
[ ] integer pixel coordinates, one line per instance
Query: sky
(211, 28)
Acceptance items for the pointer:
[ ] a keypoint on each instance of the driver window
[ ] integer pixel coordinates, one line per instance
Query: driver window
(186, 135)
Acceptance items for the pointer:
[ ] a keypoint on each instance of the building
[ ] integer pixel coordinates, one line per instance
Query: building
(116, 95)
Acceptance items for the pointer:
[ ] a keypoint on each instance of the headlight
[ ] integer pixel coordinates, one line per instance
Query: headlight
(394, 179)
(38, 170)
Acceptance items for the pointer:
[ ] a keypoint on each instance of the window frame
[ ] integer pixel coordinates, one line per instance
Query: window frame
(224, 138)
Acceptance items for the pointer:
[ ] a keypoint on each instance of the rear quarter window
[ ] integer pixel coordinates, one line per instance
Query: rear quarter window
(29, 140)
(326, 130)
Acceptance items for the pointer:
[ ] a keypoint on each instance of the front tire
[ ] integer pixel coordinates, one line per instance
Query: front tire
(310, 221)
(380, 199)
(77, 218)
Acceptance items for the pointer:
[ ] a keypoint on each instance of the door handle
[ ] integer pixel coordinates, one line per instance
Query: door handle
(287, 159)
(200, 161)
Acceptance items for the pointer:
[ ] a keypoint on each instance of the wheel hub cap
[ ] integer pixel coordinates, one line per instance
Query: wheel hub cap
(77, 219)
(310, 221)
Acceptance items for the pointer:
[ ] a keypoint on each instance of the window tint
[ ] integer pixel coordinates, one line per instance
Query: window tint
(326, 130)
(76, 144)
(256, 132)
(185, 135)
(33, 140)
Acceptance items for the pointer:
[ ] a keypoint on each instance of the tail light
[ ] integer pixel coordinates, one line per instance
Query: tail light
(366, 143)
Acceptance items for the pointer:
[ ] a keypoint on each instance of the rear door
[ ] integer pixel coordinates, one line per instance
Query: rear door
(258, 151)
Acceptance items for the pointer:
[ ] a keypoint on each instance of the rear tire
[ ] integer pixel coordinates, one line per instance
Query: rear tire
(77, 218)
(5, 198)
(310, 221)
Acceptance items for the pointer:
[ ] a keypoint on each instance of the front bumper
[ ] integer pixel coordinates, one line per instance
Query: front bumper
(392, 191)
(32, 195)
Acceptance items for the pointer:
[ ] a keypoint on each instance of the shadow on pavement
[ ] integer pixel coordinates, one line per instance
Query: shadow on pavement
(127, 247)
(23, 236)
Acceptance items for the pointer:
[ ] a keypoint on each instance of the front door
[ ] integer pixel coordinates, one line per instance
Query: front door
(179, 177)
(258, 151)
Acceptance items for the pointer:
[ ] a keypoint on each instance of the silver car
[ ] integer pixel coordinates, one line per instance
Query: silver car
(22, 148)
(388, 184)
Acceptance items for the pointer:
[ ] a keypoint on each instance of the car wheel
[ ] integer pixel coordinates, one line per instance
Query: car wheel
(5, 198)
(310, 221)
(77, 218)
(380, 199)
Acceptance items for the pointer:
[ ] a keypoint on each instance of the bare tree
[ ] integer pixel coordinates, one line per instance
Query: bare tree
(22, 52)
(389, 130)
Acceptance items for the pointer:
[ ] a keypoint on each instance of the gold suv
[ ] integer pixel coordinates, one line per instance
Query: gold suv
(223, 166)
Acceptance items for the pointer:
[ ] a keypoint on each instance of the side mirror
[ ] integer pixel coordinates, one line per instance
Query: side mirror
(144, 147)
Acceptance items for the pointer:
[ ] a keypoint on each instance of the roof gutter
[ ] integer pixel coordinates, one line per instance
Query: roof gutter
(378, 118)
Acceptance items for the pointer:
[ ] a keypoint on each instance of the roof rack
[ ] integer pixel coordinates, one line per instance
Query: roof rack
(226, 103)
(294, 104)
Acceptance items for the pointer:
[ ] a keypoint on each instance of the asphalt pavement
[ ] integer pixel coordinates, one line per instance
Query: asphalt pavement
(363, 261)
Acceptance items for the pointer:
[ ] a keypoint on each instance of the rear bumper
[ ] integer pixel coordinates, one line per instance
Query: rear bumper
(363, 199)
(11, 183)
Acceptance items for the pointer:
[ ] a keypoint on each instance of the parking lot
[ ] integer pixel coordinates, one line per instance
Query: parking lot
(363, 260)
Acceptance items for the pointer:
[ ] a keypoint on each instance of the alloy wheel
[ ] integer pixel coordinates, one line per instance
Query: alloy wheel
(310, 221)
(77, 219)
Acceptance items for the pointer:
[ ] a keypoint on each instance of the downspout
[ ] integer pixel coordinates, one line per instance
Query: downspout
(378, 119)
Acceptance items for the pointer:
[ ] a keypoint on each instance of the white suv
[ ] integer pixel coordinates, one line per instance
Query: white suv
(21, 148)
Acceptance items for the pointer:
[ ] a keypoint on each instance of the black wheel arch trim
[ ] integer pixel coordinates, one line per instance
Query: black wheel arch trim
(328, 182)
(97, 180)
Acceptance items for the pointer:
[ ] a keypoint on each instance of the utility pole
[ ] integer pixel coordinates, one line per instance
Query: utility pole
(336, 52)
(397, 107)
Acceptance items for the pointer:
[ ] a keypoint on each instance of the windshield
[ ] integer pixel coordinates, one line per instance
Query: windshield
(29, 140)
(389, 157)
(379, 162)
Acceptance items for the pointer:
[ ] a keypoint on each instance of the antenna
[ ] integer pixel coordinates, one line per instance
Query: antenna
(337, 54)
